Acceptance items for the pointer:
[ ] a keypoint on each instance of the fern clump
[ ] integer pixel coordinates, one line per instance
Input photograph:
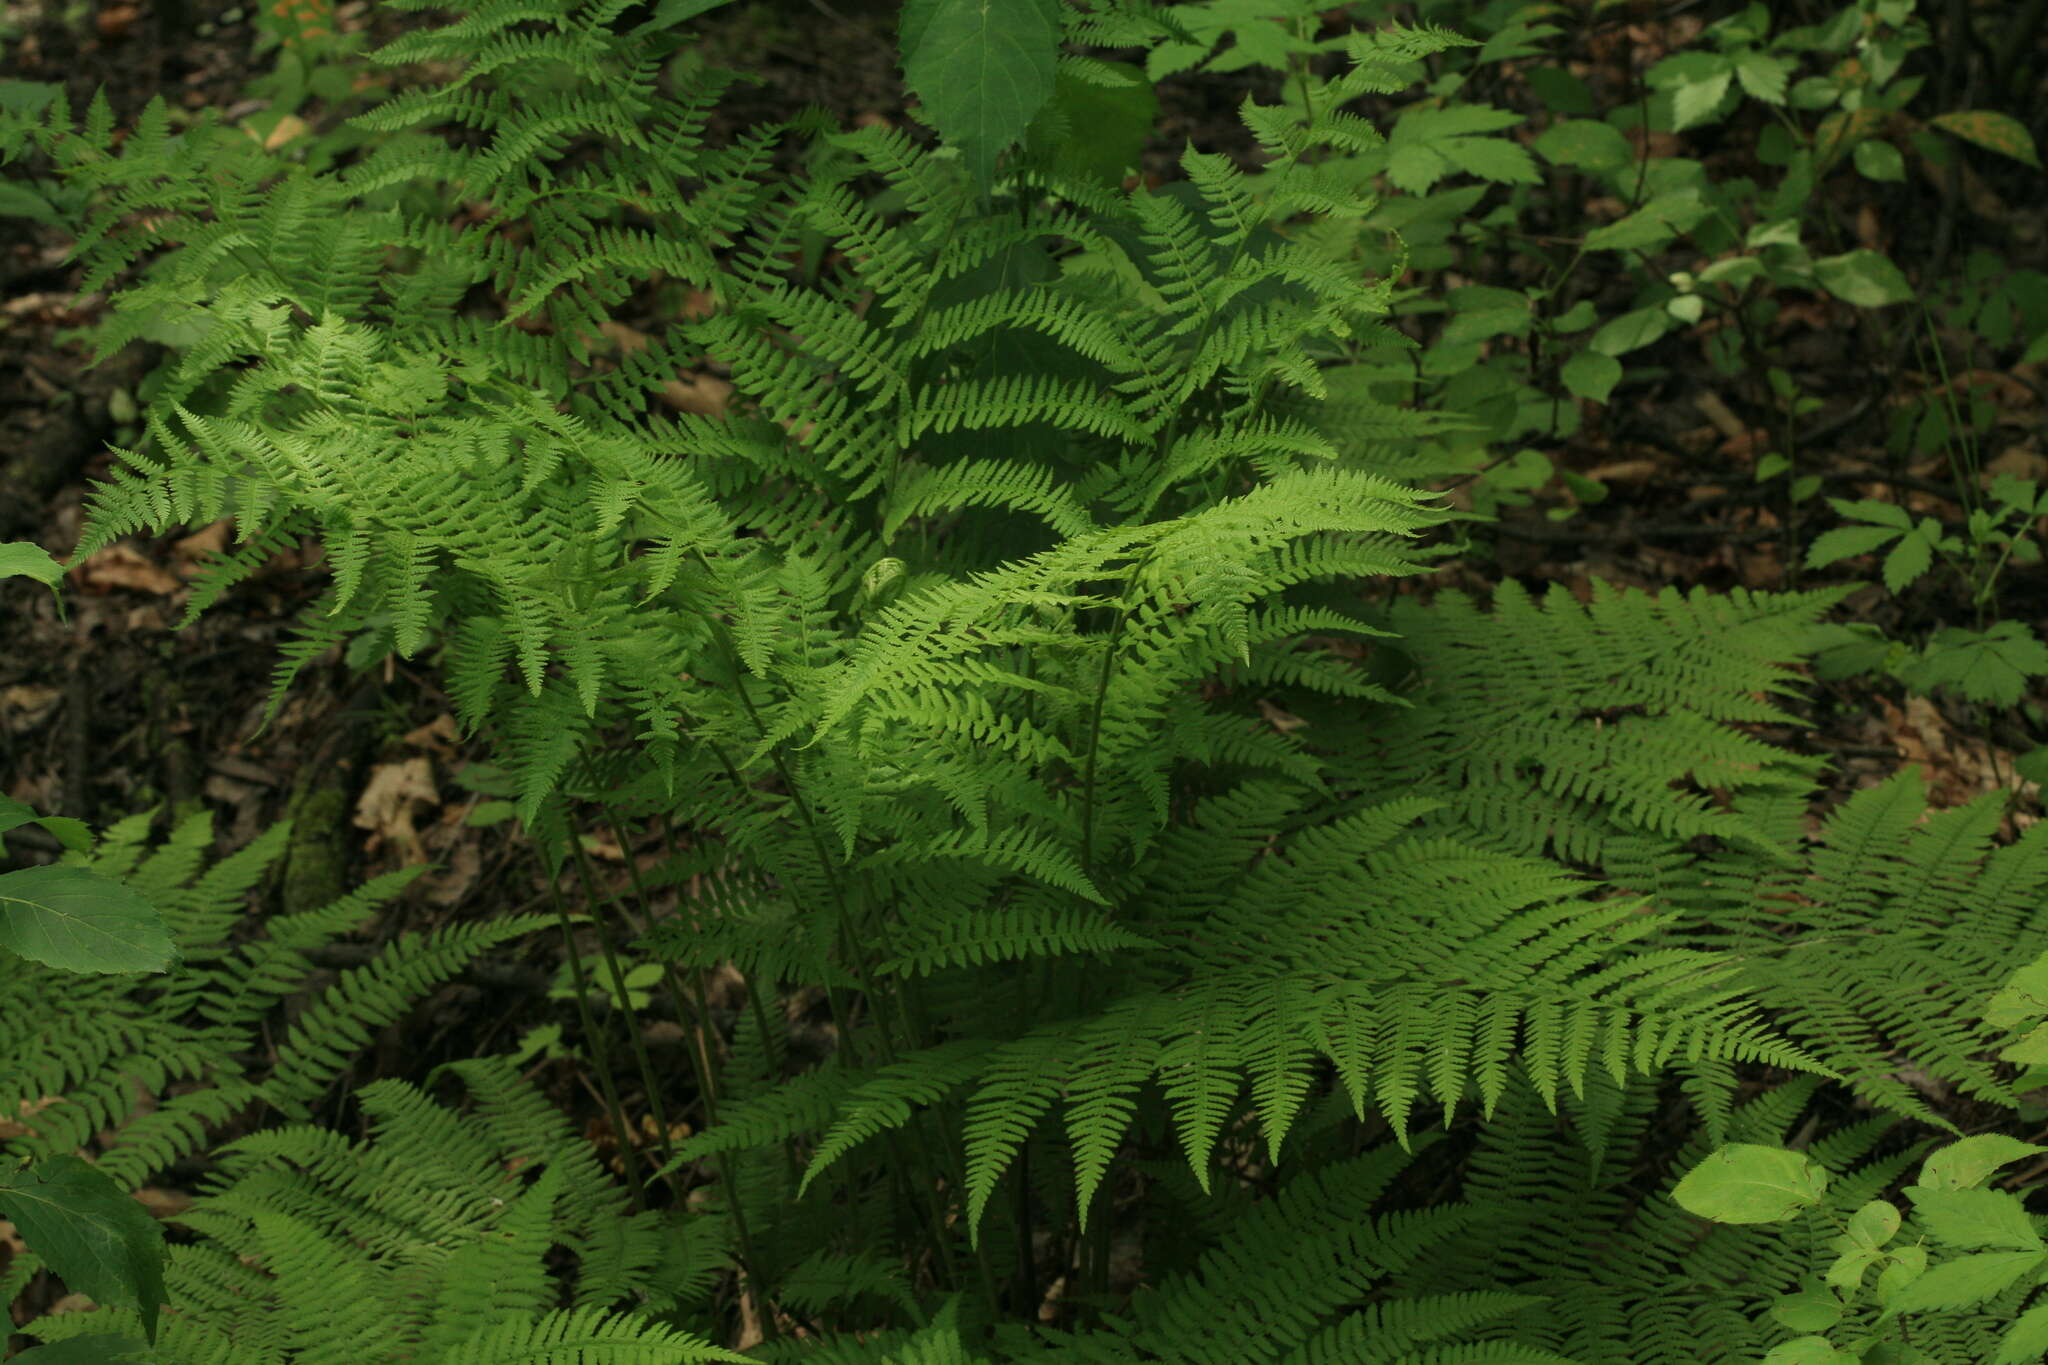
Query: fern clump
(1128, 887)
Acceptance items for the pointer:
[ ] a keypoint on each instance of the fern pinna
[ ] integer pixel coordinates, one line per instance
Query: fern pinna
(1127, 891)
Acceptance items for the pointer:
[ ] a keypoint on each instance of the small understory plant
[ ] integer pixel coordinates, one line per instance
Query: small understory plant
(1152, 933)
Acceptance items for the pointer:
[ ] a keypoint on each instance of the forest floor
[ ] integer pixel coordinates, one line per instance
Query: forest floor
(114, 708)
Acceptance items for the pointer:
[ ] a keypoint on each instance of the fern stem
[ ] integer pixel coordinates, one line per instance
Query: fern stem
(599, 1052)
(1088, 776)
(648, 1083)
(855, 962)
(706, 1077)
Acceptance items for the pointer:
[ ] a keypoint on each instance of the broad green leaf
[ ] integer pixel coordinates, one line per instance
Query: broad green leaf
(1652, 225)
(19, 559)
(1734, 272)
(1992, 131)
(1877, 160)
(1863, 277)
(1590, 374)
(2032, 1050)
(2026, 1341)
(1744, 1182)
(982, 70)
(1966, 1281)
(1576, 318)
(1811, 1310)
(2024, 996)
(1974, 1219)
(91, 1232)
(1965, 1163)
(1874, 1224)
(1846, 1273)
(1908, 1264)
(1585, 143)
(1631, 331)
(76, 920)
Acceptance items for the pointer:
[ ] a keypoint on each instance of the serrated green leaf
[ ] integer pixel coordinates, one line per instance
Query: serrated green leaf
(1763, 75)
(1992, 665)
(1910, 558)
(1586, 144)
(1694, 102)
(76, 920)
(1873, 511)
(1846, 541)
(1415, 168)
(1490, 158)
(90, 1231)
(2026, 1341)
(1966, 1281)
(1975, 1219)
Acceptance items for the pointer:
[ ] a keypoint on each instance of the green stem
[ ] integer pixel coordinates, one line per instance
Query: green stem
(599, 1052)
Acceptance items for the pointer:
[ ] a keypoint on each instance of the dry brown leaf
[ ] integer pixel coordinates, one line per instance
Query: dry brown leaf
(208, 540)
(116, 20)
(630, 340)
(288, 127)
(391, 799)
(125, 568)
(704, 394)
(25, 706)
(438, 735)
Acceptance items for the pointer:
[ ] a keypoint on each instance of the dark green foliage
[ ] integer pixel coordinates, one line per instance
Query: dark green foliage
(1161, 938)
